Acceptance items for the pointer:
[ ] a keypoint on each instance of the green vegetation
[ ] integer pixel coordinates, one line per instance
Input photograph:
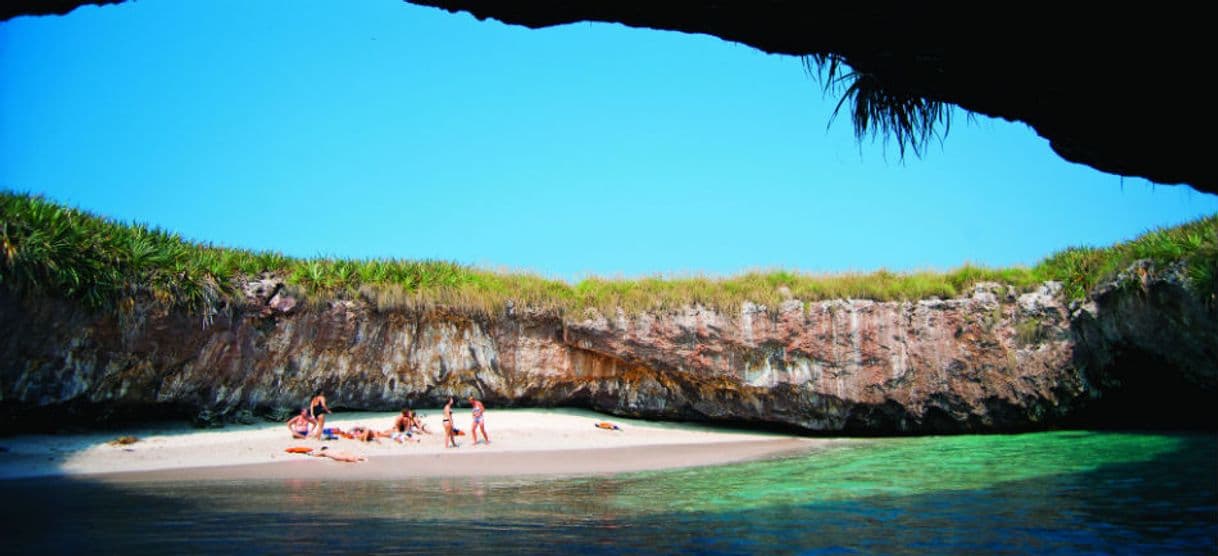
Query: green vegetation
(48, 249)
(1195, 245)
(1029, 332)
(879, 111)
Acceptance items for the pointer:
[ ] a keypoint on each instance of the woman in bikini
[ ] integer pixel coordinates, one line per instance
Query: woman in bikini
(317, 406)
(479, 421)
(299, 425)
(449, 441)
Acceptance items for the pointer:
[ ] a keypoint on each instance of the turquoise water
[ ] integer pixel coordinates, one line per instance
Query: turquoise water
(1063, 492)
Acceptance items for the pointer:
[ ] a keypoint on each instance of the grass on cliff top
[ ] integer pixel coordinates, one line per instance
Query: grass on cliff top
(49, 249)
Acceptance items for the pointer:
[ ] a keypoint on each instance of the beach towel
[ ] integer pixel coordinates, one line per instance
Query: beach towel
(299, 450)
(608, 426)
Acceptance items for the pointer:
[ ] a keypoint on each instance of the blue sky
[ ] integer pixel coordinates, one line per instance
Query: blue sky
(381, 129)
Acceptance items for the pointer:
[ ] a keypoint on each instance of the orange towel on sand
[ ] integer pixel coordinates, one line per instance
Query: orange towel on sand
(607, 426)
(299, 450)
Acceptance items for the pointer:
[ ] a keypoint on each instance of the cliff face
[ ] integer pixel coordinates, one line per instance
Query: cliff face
(1151, 348)
(989, 361)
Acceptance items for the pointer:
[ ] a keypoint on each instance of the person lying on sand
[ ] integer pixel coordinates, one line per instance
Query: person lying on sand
(324, 452)
(338, 432)
(360, 432)
(300, 424)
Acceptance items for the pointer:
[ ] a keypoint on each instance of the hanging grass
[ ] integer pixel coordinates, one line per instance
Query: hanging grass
(51, 250)
(877, 111)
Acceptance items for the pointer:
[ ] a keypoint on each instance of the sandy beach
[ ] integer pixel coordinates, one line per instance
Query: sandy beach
(524, 442)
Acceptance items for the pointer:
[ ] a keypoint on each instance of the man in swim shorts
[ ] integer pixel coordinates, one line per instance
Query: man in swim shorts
(479, 414)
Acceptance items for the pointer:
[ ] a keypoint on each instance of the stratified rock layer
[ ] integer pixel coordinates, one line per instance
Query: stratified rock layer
(993, 360)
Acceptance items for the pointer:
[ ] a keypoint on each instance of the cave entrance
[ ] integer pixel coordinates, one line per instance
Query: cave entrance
(1141, 390)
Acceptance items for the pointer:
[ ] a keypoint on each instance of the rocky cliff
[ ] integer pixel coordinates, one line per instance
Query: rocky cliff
(993, 360)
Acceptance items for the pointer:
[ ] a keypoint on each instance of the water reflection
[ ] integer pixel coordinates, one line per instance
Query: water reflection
(1084, 492)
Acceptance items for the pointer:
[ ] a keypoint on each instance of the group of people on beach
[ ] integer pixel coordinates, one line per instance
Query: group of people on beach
(310, 423)
(479, 423)
(312, 418)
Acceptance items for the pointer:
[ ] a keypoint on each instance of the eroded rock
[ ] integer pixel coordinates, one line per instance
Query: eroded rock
(990, 360)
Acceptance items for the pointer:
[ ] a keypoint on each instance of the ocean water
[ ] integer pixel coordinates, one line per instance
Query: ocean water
(1055, 492)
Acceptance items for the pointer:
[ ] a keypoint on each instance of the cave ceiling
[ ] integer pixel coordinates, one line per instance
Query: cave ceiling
(1125, 89)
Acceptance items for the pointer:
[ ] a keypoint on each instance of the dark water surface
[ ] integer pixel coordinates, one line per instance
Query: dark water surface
(1057, 492)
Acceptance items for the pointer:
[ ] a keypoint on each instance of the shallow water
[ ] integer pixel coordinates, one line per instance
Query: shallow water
(1063, 492)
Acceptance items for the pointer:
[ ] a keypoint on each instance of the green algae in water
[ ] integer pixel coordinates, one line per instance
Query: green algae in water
(885, 467)
(1061, 492)
(845, 470)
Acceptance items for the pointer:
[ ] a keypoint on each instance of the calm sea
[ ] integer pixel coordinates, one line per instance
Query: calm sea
(1056, 492)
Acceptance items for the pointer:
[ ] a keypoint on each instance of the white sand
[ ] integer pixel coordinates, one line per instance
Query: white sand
(532, 441)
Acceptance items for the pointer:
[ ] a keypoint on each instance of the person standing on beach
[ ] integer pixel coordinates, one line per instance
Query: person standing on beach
(317, 406)
(448, 424)
(479, 414)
